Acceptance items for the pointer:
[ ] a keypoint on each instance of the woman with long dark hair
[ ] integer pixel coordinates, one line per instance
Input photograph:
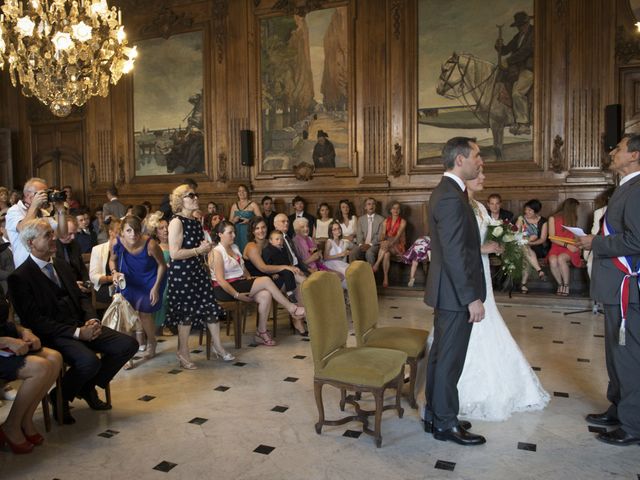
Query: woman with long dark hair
(563, 249)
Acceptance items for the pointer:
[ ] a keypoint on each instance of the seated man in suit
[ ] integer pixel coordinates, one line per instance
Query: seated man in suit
(68, 250)
(369, 228)
(48, 301)
(281, 224)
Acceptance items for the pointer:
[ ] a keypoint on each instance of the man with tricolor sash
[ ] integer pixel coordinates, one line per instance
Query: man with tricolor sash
(615, 282)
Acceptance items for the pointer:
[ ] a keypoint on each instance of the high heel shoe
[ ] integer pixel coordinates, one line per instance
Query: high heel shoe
(36, 439)
(298, 324)
(264, 338)
(151, 350)
(226, 356)
(186, 364)
(412, 281)
(17, 448)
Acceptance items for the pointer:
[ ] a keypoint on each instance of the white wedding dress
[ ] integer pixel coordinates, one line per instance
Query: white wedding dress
(496, 379)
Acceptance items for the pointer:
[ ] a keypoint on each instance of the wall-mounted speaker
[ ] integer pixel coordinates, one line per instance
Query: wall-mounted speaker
(246, 147)
(612, 126)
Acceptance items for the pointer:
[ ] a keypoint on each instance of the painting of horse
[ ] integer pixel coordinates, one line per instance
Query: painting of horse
(476, 80)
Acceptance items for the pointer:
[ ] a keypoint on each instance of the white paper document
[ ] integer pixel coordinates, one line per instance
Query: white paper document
(577, 231)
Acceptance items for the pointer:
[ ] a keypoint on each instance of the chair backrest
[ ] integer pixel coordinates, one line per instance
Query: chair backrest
(326, 316)
(363, 298)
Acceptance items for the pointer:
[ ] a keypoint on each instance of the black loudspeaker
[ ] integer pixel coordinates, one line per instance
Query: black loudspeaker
(246, 148)
(612, 126)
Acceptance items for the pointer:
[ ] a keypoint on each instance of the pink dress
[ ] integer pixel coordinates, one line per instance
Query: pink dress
(305, 246)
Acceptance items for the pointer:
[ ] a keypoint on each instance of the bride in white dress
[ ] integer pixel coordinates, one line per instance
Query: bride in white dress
(496, 379)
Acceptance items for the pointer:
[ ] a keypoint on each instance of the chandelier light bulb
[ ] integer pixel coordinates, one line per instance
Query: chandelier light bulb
(62, 41)
(81, 32)
(25, 26)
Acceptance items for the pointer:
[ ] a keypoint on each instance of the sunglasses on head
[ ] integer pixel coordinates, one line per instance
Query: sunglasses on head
(191, 195)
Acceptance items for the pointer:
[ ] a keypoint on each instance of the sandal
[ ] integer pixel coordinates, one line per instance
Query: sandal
(565, 290)
(264, 338)
(560, 290)
(412, 281)
(523, 288)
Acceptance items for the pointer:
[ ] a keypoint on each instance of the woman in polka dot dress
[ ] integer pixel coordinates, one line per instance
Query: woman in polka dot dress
(191, 302)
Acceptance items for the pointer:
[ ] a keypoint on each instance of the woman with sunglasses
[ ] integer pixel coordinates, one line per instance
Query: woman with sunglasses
(191, 302)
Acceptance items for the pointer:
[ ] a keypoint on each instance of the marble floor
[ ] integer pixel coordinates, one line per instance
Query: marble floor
(255, 419)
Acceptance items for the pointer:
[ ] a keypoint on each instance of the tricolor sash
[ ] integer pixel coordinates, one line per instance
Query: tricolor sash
(625, 265)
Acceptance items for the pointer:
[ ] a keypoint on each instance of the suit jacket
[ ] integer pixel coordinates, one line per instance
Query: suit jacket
(622, 215)
(114, 208)
(275, 256)
(310, 218)
(50, 311)
(75, 259)
(87, 241)
(456, 274)
(376, 229)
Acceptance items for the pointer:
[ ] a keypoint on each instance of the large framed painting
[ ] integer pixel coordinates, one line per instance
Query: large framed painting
(168, 106)
(476, 77)
(305, 78)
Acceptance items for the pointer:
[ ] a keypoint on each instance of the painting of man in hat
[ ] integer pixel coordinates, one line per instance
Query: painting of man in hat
(518, 66)
(324, 155)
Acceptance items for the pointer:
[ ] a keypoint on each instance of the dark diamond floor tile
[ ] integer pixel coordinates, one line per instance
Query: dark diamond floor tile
(165, 466)
(593, 429)
(198, 420)
(175, 371)
(291, 379)
(559, 342)
(196, 351)
(599, 336)
(221, 388)
(146, 398)
(584, 360)
(105, 435)
(394, 307)
(239, 364)
(443, 465)
(536, 369)
(397, 318)
(530, 447)
(538, 328)
(555, 311)
(561, 394)
(264, 449)
(280, 409)
(521, 316)
(112, 432)
(505, 306)
(300, 357)
(576, 323)
(352, 434)
(306, 340)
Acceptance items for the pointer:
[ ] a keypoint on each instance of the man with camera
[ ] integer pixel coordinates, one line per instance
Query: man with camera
(36, 196)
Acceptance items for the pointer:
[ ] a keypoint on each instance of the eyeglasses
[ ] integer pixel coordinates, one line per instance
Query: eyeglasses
(191, 195)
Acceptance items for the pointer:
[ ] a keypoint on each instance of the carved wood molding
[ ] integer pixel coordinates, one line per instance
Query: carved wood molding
(220, 16)
(304, 171)
(375, 140)
(627, 46)
(222, 167)
(165, 22)
(256, 3)
(397, 161)
(297, 7)
(557, 155)
(93, 175)
(121, 173)
(561, 7)
(396, 16)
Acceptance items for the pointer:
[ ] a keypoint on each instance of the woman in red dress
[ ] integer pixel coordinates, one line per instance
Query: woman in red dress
(563, 249)
(392, 241)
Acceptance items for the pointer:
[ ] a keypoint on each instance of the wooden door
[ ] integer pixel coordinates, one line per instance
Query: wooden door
(58, 154)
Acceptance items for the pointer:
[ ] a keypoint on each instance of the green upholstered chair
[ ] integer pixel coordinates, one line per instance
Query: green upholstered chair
(361, 284)
(357, 369)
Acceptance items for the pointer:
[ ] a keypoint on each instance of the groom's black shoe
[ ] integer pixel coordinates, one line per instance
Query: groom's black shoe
(618, 437)
(603, 419)
(428, 425)
(90, 396)
(458, 435)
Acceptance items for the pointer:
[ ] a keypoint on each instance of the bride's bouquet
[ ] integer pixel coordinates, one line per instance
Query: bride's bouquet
(512, 240)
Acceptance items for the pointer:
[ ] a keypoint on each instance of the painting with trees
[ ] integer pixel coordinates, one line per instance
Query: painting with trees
(304, 88)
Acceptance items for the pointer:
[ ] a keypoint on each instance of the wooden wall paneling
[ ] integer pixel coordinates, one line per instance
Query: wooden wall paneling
(371, 78)
(397, 59)
(630, 98)
(590, 82)
(6, 158)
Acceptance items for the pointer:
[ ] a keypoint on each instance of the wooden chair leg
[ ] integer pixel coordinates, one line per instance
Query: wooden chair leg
(107, 393)
(343, 398)
(237, 326)
(274, 315)
(200, 337)
(59, 418)
(208, 341)
(399, 386)
(413, 369)
(46, 413)
(317, 390)
(379, 397)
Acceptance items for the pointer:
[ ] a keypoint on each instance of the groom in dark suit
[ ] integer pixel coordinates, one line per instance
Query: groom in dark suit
(455, 289)
(48, 301)
(616, 263)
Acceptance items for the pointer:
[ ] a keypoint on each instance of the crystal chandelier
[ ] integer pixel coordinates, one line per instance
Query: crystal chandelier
(64, 52)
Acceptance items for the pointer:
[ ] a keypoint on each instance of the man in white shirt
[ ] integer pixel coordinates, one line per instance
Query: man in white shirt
(368, 231)
(34, 199)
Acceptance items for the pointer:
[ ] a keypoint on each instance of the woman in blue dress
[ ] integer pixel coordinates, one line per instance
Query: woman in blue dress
(241, 212)
(139, 260)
